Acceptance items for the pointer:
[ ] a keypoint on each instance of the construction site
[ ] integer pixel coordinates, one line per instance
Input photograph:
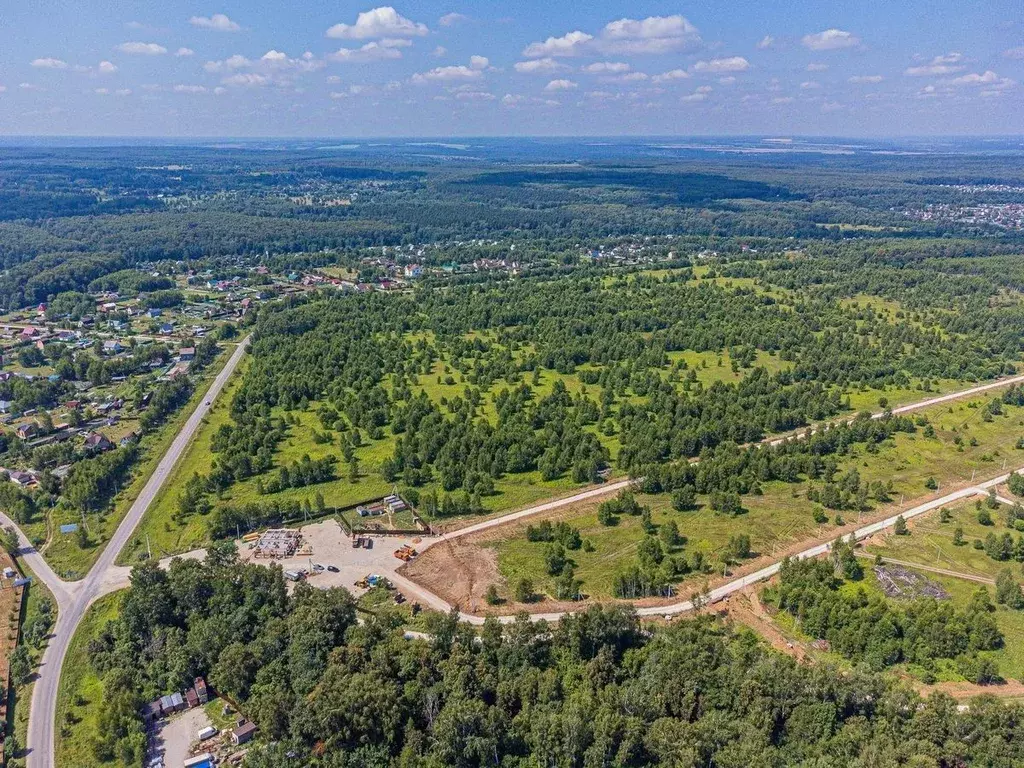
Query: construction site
(390, 515)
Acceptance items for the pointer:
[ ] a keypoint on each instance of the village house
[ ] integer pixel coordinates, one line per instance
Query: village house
(97, 442)
(25, 431)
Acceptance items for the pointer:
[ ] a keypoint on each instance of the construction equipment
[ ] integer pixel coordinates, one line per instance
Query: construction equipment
(405, 553)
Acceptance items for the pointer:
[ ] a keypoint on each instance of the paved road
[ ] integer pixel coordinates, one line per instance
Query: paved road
(81, 594)
(74, 598)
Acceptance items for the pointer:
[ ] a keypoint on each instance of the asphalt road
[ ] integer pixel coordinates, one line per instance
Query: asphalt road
(74, 598)
(80, 595)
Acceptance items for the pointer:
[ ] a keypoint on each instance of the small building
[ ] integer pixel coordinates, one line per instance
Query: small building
(21, 478)
(6, 406)
(186, 353)
(25, 431)
(243, 733)
(112, 346)
(152, 711)
(191, 698)
(166, 329)
(172, 702)
(153, 312)
(201, 691)
(97, 441)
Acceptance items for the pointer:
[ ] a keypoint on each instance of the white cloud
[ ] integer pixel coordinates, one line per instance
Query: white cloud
(143, 49)
(809, 85)
(123, 92)
(729, 80)
(816, 66)
(238, 61)
(698, 95)
(538, 66)
(940, 65)
(475, 96)
(379, 22)
(721, 66)
(783, 100)
(765, 42)
(101, 91)
(628, 77)
(106, 68)
(567, 45)
(447, 74)
(606, 68)
(989, 79)
(439, 51)
(49, 63)
(655, 34)
(183, 51)
(216, 23)
(479, 62)
(29, 87)
(830, 40)
(671, 75)
(1014, 53)
(376, 50)
(451, 19)
(560, 85)
(189, 89)
(3, 88)
(247, 79)
(865, 79)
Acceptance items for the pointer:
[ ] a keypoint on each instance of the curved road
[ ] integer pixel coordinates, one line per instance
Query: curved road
(75, 598)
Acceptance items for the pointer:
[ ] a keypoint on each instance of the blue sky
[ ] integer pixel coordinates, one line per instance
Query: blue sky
(345, 69)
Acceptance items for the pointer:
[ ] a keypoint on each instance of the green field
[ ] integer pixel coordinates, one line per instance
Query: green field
(783, 514)
(931, 542)
(81, 690)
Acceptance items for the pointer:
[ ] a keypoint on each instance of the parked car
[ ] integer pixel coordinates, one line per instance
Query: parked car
(333, 568)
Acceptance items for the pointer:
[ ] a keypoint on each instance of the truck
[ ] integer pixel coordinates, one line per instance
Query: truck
(293, 575)
(207, 733)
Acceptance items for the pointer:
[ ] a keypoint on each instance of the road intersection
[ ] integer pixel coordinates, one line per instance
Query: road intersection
(74, 598)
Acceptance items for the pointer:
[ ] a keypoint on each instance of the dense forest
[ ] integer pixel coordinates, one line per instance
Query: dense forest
(596, 689)
(69, 216)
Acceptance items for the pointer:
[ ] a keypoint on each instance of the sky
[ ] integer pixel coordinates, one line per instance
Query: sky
(308, 68)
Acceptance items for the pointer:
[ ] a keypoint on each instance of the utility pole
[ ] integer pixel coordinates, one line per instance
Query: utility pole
(149, 548)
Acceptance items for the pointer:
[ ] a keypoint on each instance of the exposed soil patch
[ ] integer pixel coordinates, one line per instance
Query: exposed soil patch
(897, 581)
(458, 571)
